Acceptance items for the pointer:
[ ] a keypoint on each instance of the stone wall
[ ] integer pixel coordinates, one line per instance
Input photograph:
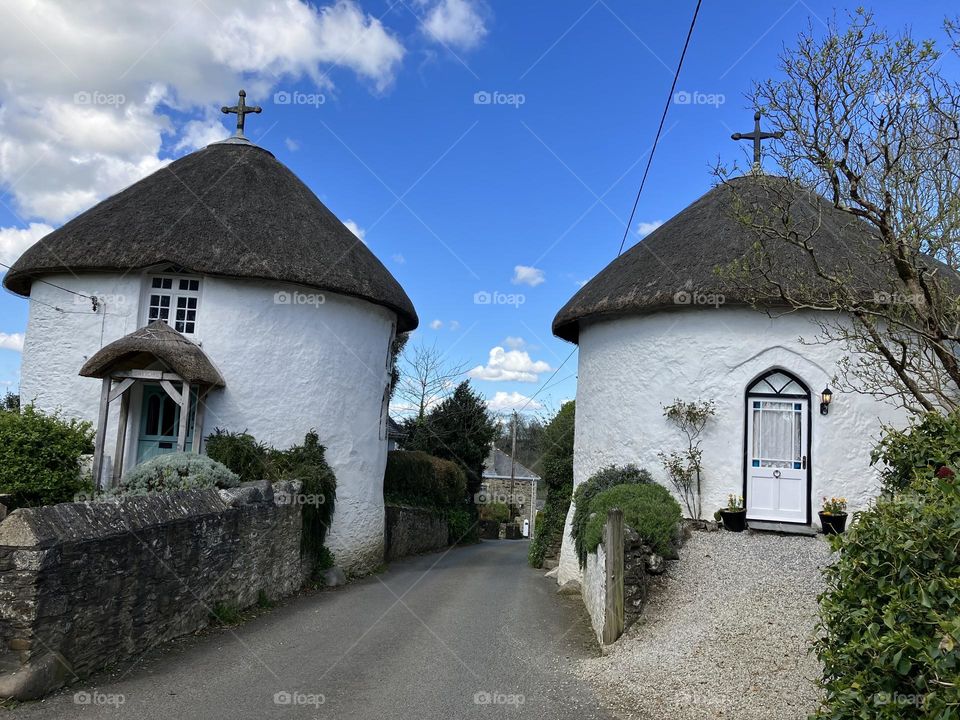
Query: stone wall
(411, 531)
(522, 495)
(87, 585)
(594, 589)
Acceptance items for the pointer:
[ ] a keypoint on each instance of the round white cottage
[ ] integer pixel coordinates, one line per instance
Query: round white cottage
(222, 286)
(660, 323)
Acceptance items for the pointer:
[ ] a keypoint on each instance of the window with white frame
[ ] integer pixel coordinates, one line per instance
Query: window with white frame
(174, 299)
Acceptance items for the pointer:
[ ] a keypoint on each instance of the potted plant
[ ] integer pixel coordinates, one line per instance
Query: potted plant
(734, 514)
(833, 516)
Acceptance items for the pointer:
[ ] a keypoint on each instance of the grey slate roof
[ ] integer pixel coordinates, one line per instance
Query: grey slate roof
(681, 256)
(497, 465)
(156, 341)
(230, 209)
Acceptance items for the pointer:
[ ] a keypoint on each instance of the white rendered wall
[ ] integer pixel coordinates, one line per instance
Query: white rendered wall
(630, 368)
(289, 368)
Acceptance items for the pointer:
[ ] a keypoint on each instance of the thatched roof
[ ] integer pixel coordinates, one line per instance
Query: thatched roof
(230, 209)
(143, 347)
(683, 256)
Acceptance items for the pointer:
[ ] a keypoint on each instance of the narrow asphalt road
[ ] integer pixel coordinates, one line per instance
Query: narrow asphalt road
(470, 633)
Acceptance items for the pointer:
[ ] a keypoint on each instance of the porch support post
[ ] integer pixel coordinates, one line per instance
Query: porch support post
(198, 420)
(101, 431)
(184, 417)
(121, 438)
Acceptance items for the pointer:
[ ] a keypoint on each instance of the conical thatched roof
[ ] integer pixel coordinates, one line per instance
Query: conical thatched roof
(230, 209)
(691, 254)
(143, 347)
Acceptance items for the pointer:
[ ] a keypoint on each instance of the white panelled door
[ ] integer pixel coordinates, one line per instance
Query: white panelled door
(777, 463)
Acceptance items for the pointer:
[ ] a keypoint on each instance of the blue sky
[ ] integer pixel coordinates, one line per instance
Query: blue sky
(393, 133)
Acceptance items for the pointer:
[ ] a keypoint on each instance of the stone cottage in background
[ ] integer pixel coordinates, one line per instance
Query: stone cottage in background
(219, 292)
(507, 481)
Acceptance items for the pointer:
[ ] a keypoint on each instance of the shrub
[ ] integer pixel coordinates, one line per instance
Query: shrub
(605, 479)
(308, 464)
(918, 451)
(557, 467)
(415, 478)
(462, 526)
(176, 471)
(649, 509)
(497, 512)
(40, 456)
(241, 453)
(890, 632)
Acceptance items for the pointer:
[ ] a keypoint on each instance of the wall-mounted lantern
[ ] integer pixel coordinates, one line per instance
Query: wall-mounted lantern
(826, 397)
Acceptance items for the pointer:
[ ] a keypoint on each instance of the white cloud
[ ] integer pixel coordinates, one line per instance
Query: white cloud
(79, 121)
(12, 341)
(454, 325)
(514, 365)
(292, 145)
(356, 230)
(511, 401)
(13, 241)
(526, 275)
(457, 23)
(515, 343)
(645, 227)
(399, 259)
(436, 324)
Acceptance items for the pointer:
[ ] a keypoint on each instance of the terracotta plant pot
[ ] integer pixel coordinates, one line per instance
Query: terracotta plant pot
(734, 520)
(833, 524)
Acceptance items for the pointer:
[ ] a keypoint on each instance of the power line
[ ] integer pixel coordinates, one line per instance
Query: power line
(663, 118)
(543, 387)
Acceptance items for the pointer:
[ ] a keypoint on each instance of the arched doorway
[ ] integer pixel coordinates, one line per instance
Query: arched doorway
(776, 485)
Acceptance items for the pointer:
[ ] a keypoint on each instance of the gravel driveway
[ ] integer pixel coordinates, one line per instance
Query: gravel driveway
(725, 633)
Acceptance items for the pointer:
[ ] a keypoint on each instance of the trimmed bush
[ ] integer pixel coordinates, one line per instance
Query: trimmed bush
(608, 477)
(890, 630)
(176, 471)
(40, 456)
(649, 509)
(462, 526)
(241, 453)
(919, 451)
(421, 480)
(497, 512)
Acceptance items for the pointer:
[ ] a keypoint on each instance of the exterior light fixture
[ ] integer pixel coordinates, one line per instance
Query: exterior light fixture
(826, 397)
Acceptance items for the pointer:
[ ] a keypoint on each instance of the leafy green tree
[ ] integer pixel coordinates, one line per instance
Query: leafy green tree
(556, 468)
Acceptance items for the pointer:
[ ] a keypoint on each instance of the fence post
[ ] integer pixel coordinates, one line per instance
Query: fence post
(613, 545)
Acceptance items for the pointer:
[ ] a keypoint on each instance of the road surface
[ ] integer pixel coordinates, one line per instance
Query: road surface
(470, 633)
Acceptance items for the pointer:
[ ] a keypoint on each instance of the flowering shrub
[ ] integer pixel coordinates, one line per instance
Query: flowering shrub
(176, 471)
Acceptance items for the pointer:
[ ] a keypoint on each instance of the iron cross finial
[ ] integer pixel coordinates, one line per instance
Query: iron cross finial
(241, 109)
(756, 136)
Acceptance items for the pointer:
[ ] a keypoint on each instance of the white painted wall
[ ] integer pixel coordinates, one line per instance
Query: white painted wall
(629, 368)
(288, 368)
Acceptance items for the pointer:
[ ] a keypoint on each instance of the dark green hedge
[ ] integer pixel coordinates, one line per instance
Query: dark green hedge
(890, 617)
(421, 480)
(603, 479)
(40, 457)
(919, 451)
(649, 509)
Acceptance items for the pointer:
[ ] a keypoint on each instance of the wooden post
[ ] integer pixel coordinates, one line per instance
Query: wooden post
(184, 417)
(198, 420)
(121, 438)
(101, 431)
(613, 545)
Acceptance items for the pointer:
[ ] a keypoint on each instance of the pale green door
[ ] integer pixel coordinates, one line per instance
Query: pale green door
(160, 422)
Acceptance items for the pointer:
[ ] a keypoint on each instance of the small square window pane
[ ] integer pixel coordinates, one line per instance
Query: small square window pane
(179, 326)
(181, 314)
(756, 463)
(165, 301)
(192, 303)
(155, 283)
(189, 328)
(756, 403)
(797, 406)
(181, 302)
(191, 314)
(194, 285)
(796, 466)
(184, 284)
(167, 283)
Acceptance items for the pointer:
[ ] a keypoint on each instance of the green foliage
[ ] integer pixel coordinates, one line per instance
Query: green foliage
(462, 526)
(459, 429)
(225, 614)
(605, 479)
(324, 560)
(176, 471)
(241, 453)
(918, 451)
(557, 468)
(10, 401)
(684, 468)
(418, 479)
(890, 630)
(308, 464)
(40, 456)
(647, 508)
(497, 512)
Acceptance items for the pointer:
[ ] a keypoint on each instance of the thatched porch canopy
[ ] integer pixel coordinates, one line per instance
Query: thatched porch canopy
(144, 347)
